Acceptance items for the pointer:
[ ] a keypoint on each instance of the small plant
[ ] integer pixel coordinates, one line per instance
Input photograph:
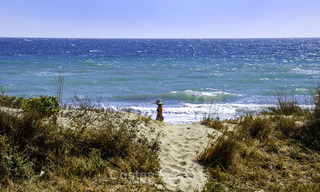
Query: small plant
(221, 153)
(146, 118)
(286, 105)
(216, 186)
(287, 126)
(2, 90)
(212, 123)
(86, 104)
(13, 102)
(59, 84)
(256, 127)
(16, 165)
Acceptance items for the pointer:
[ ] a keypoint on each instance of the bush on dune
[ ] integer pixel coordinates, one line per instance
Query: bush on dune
(33, 146)
(13, 102)
(43, 106)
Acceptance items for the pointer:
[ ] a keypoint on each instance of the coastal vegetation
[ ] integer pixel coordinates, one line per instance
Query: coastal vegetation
(100, 151)
(48, 146)
(277, 150)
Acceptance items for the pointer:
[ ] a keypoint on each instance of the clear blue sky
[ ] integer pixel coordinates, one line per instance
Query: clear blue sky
(160, 18)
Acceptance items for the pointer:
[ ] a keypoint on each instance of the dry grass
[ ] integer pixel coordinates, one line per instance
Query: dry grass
(268, 152)
(255, 127)
(212, 122)
(286, 105)
(251, 160)
(221, 153)
(39, 155)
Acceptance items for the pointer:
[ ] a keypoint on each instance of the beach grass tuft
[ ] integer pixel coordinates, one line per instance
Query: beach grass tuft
(311, 132)
(286, 104)
(255, 127)
(221, 153)
(212, 122)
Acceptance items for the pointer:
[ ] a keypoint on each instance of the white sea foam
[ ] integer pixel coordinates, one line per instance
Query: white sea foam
(298, 70)
(191, 113)
(95, 51)
(212, 94)
(50, 74)
(46, 73)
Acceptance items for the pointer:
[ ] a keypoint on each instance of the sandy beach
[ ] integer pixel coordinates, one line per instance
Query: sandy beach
(178, 147)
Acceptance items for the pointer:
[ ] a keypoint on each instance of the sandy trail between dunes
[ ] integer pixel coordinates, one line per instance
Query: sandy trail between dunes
(180, 145)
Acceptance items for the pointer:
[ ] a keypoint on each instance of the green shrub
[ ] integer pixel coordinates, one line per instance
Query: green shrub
(12, 101)
(44, 105)
(16, 165)
(213, 186)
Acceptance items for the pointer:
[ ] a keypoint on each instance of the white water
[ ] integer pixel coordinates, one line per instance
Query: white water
(191, 113)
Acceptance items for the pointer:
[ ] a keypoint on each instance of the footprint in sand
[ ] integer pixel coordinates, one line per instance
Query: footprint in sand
(183, 163)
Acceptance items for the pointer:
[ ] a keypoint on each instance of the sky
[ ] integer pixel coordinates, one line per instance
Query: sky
(160, 18)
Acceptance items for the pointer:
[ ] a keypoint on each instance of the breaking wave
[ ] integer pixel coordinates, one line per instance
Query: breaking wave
(187, 96)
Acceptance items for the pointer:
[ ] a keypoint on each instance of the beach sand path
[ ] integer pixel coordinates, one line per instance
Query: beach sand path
(180, 145)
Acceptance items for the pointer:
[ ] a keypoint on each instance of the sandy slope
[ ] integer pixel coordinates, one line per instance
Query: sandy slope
(179, 144)
(179, 147)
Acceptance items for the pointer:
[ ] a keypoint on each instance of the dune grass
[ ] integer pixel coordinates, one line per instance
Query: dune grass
(286, 105)
(212, 122)
(220, 154)
(311, 132)
(38, 154)
(274, 151)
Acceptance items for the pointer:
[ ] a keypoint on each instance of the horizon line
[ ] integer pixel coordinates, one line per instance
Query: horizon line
(163, 37)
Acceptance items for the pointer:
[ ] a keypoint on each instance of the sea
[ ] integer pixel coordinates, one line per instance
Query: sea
(194, 78)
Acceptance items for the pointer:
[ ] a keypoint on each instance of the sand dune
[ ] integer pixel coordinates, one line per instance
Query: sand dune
(179, 144)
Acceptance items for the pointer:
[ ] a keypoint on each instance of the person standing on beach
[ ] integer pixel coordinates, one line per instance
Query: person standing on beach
(159, 110)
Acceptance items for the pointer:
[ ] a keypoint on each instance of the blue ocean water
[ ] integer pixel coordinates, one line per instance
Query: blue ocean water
(226, 77)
